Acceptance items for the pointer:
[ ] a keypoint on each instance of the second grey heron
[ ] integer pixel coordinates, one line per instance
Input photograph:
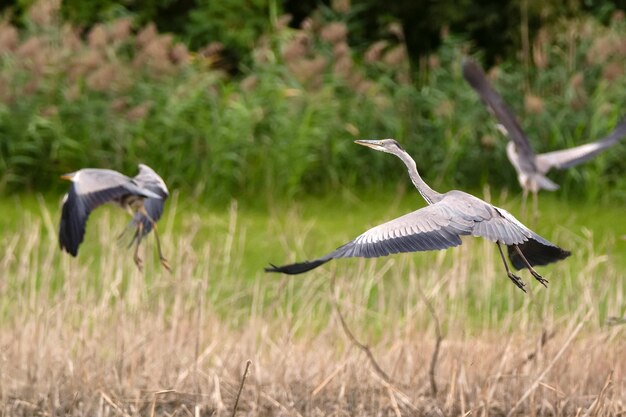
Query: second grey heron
(531, 168)
(440, 225)
(142, 196)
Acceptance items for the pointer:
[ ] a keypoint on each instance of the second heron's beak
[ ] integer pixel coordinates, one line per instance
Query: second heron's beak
(67, 176)
(374, 144)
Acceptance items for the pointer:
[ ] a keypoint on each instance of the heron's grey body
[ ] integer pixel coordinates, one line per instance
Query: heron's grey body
(149, 180)
(531, 168)
(440, 225)
(143, 196)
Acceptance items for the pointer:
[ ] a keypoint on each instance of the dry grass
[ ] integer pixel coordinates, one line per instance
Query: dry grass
(94, 337)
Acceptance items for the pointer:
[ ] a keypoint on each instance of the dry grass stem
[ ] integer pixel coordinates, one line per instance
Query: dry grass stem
(243, 380)
(438, 340)
(353, 340)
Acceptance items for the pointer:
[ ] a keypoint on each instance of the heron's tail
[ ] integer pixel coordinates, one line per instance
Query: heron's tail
(545, 183)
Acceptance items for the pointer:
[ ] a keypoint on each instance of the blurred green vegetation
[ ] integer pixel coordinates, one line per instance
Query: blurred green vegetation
(123, 93)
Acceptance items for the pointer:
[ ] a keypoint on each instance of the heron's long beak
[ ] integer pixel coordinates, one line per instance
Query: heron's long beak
(374, 144)
(67, 176)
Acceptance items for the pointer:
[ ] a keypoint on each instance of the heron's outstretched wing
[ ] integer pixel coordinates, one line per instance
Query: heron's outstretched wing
(90, 189)
(150, 180)
(429, 228)
(475, 76)
(573, 156)
(440, 226)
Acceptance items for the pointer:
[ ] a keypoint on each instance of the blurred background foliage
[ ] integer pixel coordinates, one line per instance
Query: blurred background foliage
(263, 98)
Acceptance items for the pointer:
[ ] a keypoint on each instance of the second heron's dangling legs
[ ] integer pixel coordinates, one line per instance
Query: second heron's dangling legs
(162, 258)
(524, 198)
(535, 219)
(516, 280)
(136, 257)
(164, 261)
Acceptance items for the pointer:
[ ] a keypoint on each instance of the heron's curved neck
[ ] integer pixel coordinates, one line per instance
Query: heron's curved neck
(431, 196)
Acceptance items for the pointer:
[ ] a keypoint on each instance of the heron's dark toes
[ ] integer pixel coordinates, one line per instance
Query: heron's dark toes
(517, 281)
(539, 278)
(138, 262)
(166, 264)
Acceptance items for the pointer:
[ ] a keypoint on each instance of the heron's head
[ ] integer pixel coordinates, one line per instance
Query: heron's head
(383, 145)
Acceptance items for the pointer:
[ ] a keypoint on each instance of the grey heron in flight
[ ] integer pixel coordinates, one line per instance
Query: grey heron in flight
(440, 225)
(142, 196)
(530, 167)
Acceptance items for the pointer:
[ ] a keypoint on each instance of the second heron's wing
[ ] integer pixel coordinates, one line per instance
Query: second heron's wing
(567, 158)
(429, 228)
(475, 76)
(90, 189)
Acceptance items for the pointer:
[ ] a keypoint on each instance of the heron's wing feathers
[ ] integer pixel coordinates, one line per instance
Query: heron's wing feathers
(429, 228)
(440, 226)
(150, 180)
(498, 225)
(76, 209)
(536, 249)
(475, 76)
(536, 253)
(567, 158)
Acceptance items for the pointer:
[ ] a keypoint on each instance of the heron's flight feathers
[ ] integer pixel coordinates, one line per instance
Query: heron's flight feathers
(477, 79)
(570, 157)
(434, 227)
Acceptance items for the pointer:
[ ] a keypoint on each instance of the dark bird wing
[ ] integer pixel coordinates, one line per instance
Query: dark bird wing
(475, 76)
(573, 156)
(150, 180)
(90, 189)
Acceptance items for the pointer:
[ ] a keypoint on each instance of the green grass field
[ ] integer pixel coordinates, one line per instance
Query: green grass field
(93, 335)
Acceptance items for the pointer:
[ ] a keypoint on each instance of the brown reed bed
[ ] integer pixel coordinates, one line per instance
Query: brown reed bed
(94, 337)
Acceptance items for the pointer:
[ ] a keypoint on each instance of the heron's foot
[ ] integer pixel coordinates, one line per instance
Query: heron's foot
(539, 278)
(517, 281)
(166, 264)
(138, 262)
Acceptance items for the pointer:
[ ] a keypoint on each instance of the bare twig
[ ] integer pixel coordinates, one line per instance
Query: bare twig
(438, 340)
(243, 380)
(353, 339)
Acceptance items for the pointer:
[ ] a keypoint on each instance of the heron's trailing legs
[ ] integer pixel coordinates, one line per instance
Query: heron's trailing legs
(534, 273)
(162, 258)
(164, 261)
(516, 280)
(136, 257)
